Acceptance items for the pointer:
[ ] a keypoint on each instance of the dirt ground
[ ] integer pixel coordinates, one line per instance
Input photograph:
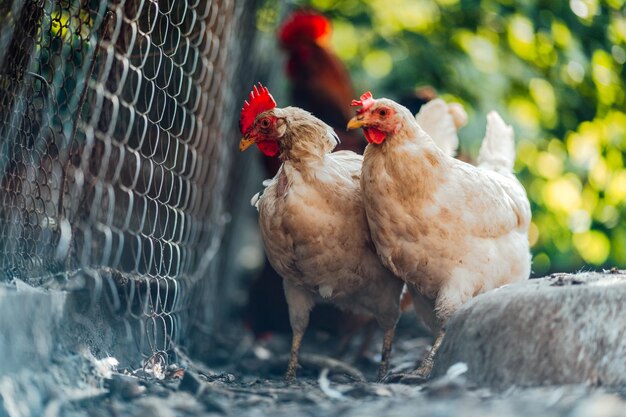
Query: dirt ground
(244, 378)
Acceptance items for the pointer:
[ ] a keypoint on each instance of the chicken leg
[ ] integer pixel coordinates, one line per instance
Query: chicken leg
(296, 341)
(300, 304)
(386, 353)
(427, 364)
(422, 373)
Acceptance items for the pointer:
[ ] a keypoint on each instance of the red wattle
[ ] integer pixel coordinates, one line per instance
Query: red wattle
(268, 147)
(374, 135)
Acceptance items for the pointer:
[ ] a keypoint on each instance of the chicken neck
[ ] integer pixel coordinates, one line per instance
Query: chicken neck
(307, 139)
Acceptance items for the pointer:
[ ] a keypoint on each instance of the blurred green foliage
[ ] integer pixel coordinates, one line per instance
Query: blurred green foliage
(554, 69)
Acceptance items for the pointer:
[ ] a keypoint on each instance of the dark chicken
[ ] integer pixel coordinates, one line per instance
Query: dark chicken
(320, 82)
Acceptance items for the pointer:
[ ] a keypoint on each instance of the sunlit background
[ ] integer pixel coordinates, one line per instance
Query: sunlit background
(555, 70)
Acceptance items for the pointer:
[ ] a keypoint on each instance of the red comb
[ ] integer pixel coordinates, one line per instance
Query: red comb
(366, 102)
(260, 100)
(304, 25)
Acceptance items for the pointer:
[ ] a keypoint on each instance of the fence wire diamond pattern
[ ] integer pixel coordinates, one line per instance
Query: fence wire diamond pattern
(112, 161)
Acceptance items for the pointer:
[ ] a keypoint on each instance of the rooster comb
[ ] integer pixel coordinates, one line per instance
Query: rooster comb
(260, 100)
(366, 101)
(304, 24)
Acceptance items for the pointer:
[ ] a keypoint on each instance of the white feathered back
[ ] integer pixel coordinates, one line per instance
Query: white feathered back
(497, 151)
(441, 122)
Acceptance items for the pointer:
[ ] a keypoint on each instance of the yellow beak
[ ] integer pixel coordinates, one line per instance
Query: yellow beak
(355, 123)
(245, 143)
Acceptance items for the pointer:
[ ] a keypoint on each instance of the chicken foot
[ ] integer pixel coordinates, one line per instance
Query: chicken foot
(422, 373)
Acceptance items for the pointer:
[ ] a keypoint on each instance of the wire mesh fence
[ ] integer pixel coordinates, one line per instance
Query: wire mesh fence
(113, 158)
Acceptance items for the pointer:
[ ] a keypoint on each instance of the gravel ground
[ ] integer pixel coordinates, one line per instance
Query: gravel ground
(198, 394)
(244, 379)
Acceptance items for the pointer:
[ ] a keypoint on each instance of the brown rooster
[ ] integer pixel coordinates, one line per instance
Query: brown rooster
(313, 223)
(320, 82)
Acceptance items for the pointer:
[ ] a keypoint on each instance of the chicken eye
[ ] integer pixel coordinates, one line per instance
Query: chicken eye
(265, 123)
(382, 112)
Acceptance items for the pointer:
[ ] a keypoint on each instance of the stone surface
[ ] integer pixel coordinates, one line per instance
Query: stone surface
(48, 339)
(29, 320)
(562, 329)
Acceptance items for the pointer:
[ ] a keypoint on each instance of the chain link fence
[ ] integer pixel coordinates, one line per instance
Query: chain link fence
(116, 119)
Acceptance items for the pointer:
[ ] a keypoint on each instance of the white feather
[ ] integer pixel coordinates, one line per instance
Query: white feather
(255, 200)
(437, 121)
(497, 151)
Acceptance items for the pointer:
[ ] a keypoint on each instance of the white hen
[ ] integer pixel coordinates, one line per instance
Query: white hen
(449, 229)
(313, 222)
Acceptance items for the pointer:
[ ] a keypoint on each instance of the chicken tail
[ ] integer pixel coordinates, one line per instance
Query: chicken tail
(441, 122)
(497, 151)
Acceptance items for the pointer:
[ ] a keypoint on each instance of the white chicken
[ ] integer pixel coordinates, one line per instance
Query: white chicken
(449, 229)
(313, 222)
